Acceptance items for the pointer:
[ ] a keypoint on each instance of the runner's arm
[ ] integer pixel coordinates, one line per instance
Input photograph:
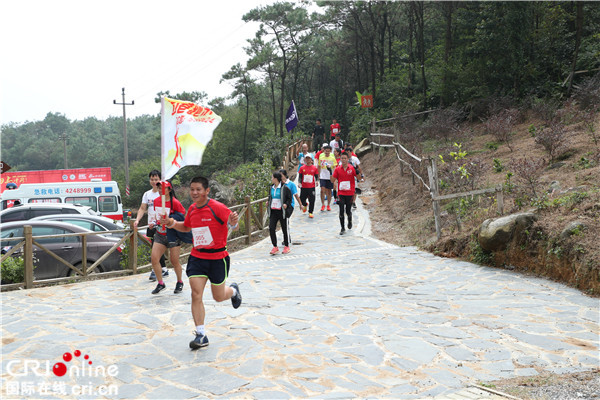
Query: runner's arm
(232, 221)
(171, 223)
(140, 213)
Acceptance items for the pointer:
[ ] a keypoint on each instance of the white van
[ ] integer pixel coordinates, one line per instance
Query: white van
(101, 196)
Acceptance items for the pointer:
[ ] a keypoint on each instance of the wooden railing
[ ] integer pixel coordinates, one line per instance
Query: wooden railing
(376, 139)
(252, 213)
(292, 151)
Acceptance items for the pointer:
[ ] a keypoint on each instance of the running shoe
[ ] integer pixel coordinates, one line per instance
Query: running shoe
(304, 209)
(152, 276)
(178, 287)
(353, 205)
(274, 250)
(322, 208)
(158, 288)
(328, 208)
(165, 272)
(310, 215)
(199, 341)
(286, 250)
(350, 224)
(342, 231)
(236, 300)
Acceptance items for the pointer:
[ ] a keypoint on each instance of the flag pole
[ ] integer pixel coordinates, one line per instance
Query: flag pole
(162, 170)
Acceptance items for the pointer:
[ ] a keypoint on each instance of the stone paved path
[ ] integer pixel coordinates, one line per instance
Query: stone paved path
(339, 317)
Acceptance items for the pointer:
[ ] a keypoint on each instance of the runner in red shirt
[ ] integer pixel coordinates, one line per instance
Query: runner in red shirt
(161, 241)
(345, 175)
(334, 129)
(209, 221)
(308, 179)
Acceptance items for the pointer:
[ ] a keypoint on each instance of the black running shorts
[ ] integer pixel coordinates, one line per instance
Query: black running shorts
(215, 270)
(326, 184)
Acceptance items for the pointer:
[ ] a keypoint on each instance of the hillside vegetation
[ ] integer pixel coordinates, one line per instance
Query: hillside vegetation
(547, 161)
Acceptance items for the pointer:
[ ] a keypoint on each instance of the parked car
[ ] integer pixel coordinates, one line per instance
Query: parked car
(69, 248)
(94, 223)
(31, 210)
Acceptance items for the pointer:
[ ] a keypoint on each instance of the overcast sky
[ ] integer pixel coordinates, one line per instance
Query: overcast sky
(74, 56)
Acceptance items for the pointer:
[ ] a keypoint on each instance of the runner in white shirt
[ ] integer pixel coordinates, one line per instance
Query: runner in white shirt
(148, 205)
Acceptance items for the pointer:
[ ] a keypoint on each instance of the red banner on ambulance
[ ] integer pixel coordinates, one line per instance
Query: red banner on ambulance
(56, 175)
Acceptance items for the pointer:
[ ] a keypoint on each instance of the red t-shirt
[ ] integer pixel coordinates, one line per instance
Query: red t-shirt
(345, 180)
(308, 176)
(334, 129)
(207, 231)
(176, 207)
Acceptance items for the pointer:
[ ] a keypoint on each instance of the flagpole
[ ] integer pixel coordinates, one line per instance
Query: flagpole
(162, 144)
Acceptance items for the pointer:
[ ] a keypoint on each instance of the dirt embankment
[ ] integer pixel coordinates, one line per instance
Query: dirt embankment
(569, 192)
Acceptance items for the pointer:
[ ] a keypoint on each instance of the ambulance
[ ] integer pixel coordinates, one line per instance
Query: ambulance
(103, 197)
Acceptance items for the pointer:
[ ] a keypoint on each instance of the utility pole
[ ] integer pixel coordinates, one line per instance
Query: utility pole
(63, 137)
(125, 141)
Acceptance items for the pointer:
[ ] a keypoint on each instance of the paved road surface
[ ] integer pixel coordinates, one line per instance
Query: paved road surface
(339, 317)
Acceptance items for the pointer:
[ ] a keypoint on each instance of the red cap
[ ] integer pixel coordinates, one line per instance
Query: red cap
(167, 184)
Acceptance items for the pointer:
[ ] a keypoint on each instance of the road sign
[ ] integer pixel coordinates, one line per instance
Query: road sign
(5, 167)
(366, 101)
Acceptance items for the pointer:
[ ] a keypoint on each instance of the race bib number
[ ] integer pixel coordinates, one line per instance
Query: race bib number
(276, 204)
(335, 130)
(152, 217)
(308, 179)
(345, 185)
(202, 237)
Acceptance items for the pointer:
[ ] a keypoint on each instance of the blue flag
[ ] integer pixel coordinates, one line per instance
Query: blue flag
(291, 118)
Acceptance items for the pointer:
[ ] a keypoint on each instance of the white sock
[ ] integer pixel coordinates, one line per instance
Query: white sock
(200, 329)
(234, 291)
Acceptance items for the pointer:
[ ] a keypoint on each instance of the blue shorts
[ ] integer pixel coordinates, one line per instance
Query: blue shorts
(326, 184)
(215, 270)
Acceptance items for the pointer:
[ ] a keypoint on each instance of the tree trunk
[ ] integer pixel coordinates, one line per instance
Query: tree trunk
(448, 9)
(579, 27)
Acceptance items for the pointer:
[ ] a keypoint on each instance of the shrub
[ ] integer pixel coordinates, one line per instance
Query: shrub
(143, 255)
(554, 139)
(527, 171)
(587, 93)
(491, 146)
(588, 117)
(443, 124)
(501, 125)
(13, 270)
(498, 167)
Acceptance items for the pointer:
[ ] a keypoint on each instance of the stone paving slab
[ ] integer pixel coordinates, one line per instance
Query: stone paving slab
(339, 317)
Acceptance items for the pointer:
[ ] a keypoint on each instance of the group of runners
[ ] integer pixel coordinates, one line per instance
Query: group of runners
(334, 168)
(207, 222)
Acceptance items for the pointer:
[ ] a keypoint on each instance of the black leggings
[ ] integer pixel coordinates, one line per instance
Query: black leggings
(277, 215)
(310, 194)
(345, 201)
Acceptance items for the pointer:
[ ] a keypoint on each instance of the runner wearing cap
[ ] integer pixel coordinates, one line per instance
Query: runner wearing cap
(345, 175)
(308, 179)
(172, 207)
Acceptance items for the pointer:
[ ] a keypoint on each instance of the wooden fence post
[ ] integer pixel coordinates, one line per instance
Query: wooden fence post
(248, 220)
(133, 247)
(84, 254)
(261, 214)
(500, 200)
(432, 172)
(28, 256)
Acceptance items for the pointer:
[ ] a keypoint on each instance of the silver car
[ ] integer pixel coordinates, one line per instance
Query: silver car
(69, 248)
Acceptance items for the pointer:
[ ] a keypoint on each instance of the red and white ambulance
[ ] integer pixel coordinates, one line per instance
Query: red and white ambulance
(102, 196)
